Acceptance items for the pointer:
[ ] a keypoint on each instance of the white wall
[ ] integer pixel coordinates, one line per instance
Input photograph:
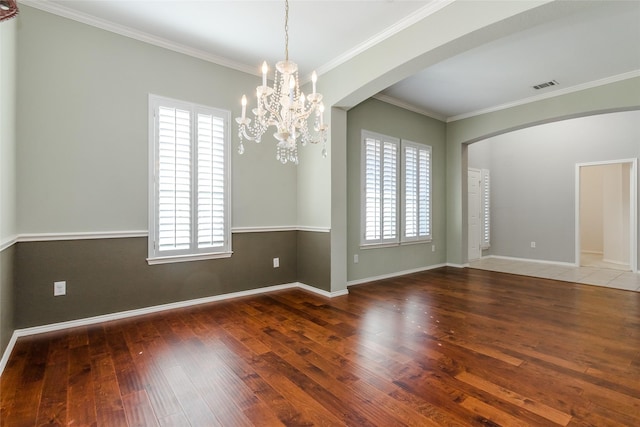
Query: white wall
(533, 179)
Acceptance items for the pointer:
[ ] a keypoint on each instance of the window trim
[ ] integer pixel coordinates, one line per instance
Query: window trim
(193, 253)
(400, 218)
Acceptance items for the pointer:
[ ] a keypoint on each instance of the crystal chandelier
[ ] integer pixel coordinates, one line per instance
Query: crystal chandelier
(8, 9)
(286, 108)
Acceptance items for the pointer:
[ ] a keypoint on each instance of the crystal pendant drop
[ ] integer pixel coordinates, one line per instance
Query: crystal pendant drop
(241, 149)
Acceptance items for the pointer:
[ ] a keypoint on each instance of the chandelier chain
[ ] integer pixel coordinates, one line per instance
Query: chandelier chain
(286, 30)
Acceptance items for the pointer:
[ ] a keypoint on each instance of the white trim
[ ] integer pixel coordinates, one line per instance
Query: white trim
(187, 258)
(155, 309)
(240, 230)
(558, 92)
(8, 242)
(419, 15)
(46, 237)
(450, 264)
(58, 9)
(315, 229)
(409, 107)
(8, 350)
(391, 275)
(538, 261)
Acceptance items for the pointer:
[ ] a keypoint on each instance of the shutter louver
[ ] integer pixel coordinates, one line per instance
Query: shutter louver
(210, 181)
(390, 190)
(411, 192)
(417, 191)
(486, 210)
(372, 190)
(174, 179)
(380, 189)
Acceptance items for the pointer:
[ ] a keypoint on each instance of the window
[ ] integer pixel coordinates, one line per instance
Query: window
(380, 180)
(390, 216)
(486, 208)
(189, 181)
(416, 184)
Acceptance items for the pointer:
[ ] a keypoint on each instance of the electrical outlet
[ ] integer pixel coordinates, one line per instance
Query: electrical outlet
(355, 259)
(276, 262)
(533, 245)
(59, 288)
(433, 248)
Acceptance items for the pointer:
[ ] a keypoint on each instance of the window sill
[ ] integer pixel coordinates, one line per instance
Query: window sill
(394, 244)
(187, 258)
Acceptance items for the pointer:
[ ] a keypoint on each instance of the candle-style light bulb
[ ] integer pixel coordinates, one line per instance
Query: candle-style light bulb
(314, 79)
(321, 108)
(244, 107)
(265, 68)
(292, 85)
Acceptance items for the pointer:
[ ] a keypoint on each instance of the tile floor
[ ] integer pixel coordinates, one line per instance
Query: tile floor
(607, 277)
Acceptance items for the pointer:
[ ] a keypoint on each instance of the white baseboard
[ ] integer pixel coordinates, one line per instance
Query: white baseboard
(391, 275)
(154, 309)
(539, 261)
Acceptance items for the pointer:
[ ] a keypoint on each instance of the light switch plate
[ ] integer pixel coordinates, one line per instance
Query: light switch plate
(59, 288)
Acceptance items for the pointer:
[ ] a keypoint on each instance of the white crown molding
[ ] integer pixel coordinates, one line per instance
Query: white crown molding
(410, 107)
(399, 26)
(392, 275)
(548, 95)
(65, 12)
(155, 309)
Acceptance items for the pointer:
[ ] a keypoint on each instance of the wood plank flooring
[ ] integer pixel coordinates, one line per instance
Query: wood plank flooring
(452, 347)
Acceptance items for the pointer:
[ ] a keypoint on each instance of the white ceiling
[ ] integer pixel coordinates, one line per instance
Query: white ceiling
(597, 42)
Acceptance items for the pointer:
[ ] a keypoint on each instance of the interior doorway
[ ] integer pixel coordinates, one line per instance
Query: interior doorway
(606, 218)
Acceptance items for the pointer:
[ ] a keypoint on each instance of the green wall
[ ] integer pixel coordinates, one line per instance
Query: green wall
(380, 117)
(8, 231)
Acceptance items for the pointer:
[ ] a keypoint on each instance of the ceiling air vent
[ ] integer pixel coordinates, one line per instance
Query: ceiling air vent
(545, 84)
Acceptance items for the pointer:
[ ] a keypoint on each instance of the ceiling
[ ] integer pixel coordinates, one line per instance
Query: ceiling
(595, 43)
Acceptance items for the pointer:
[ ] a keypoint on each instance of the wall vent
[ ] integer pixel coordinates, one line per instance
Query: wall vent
(545, 84)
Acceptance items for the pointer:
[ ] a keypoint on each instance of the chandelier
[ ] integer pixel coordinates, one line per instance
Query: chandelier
(8, 9)
(286, 108)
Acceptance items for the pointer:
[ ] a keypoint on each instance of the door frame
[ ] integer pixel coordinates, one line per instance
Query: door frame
(479, 215)
(633, 208)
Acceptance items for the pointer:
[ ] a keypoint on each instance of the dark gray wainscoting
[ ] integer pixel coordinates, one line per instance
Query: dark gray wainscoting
(314, 259)
(6, 296)
(111, 275)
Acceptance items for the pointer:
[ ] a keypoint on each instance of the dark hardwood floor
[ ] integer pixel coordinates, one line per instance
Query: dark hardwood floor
(452, 347)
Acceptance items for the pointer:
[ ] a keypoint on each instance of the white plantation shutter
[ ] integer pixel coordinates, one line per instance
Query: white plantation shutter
(189, 183)
(211, 181)
(380, 189)
(486, 209)
(174, 179)
(416, 164)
